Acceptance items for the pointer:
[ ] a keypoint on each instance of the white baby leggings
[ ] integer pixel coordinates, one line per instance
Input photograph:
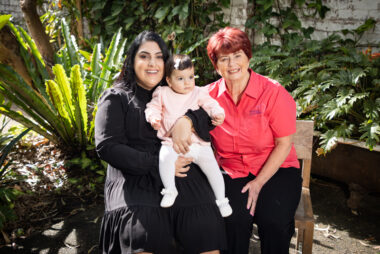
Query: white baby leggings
(203, 156)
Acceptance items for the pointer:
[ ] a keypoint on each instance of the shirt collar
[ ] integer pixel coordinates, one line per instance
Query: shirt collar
(222, 87)
(254, 87)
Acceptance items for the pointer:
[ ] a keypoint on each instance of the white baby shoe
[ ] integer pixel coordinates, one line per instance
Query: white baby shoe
(224, 207)
(169, 197)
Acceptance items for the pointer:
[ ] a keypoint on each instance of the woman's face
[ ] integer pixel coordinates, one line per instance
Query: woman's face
(149, 65)
(232, 66)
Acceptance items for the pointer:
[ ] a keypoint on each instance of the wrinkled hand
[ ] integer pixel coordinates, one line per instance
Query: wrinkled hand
(217, 120)
(181, 135)
(156, 124)
(253, 188)
(182, 166)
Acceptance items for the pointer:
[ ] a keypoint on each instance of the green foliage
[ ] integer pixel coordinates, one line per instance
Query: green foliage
(332, 82)
(61, 109)
(7, 193)
(278, 21)
(4, 20)
(184, 24)
(93, 167)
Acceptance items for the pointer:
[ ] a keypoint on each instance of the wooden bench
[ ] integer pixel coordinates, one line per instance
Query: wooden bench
(304, 220)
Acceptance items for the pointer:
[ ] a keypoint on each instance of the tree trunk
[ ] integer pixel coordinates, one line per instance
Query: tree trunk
(37, 30)
(10, 54)
(79, 23)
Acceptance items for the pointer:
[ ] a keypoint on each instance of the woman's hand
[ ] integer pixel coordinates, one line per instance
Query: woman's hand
(271, 166)
(182, 166)
(218, 119)
(253, 188)
(181, 135)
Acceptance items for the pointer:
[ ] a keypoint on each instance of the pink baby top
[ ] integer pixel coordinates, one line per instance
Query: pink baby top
(167, 106)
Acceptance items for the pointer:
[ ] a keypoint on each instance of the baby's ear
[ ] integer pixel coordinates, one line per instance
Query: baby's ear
(168, 81)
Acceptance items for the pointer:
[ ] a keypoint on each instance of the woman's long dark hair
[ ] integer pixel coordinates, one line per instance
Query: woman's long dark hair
(127, 78)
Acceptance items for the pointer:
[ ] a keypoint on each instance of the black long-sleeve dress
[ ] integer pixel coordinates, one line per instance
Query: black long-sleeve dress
(134, 221)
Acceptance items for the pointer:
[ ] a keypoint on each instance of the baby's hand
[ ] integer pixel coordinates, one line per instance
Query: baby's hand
(156, 124)
(217, 119)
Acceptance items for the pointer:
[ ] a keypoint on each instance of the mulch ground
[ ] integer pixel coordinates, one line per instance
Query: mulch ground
(48, 196)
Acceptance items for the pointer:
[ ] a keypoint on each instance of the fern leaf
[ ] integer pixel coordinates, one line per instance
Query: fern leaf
(64, 87)
(95, 71)
(80, 103)
(18, 117)
(108, 62)
(56, 96)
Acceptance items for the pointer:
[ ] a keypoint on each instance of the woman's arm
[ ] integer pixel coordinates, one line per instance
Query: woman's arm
(197, 120)
(110, 138)
(282, 120)
(271, 166)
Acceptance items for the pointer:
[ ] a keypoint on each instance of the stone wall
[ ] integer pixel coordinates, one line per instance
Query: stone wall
(12, 7)
(343, 14)
(237, 14)
(348, 14)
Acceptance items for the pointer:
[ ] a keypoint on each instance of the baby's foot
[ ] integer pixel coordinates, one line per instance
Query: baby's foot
(224, 207)
(169, 197)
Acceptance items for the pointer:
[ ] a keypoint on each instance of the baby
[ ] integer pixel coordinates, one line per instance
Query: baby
(172, 102)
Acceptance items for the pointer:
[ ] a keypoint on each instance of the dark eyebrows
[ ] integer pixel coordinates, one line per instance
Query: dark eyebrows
(148, 53)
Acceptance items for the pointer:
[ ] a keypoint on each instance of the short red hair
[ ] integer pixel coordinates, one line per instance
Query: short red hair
(228, 40)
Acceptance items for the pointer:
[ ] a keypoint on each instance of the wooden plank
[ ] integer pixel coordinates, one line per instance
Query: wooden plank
(306, 168)
(304, 211)
(303, 139)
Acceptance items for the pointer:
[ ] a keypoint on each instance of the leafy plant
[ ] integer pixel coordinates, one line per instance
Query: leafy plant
(90, 165)
(61, 109)
(7, 193)
(184, 24)
(279, 21)
(332, 82)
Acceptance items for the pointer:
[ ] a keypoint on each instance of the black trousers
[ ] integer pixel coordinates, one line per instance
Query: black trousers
(274, 213)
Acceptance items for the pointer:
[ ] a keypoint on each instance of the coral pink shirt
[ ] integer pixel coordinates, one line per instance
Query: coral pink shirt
(167, 106)
(247, 137)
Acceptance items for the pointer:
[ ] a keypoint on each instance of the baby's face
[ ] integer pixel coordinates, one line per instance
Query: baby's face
(182, 81)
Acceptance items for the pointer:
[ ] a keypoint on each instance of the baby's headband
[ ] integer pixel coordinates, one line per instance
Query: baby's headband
(176, 64)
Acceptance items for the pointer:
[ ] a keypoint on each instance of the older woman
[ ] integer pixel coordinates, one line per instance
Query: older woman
(253, 146)
(133, 221)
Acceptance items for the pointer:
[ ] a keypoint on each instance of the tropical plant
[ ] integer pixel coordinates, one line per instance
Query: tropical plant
(7, 193)
(184, 24)
(60, 109)
(4, 137)
(333, 83)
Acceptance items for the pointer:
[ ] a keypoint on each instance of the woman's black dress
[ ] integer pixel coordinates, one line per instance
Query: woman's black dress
(134, 221)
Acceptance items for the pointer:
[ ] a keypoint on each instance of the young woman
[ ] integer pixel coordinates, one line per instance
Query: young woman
(133, 221)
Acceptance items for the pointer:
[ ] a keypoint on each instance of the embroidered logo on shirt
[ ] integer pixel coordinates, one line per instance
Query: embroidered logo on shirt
(260, 109)
(255, 112)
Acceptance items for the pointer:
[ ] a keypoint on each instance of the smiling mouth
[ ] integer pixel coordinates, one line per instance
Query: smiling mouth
(151, 72)
(234, 71)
